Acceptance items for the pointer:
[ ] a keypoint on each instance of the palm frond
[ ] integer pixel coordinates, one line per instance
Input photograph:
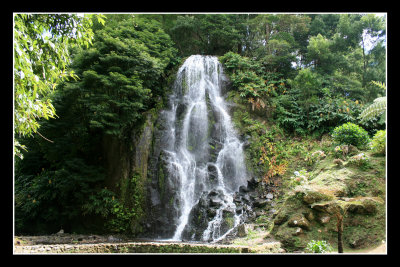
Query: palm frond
(377, 108)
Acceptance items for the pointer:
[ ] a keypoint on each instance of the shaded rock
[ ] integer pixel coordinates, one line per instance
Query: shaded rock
(323, 206)
(358, 241)
(260, 213)
(272, 211)
(280, 218)
(309, 216)
(243, 189)
(246, 199)
(241, 230)
(260, 202)
(215, 202)
(212, 173)
(253, 195)
(364, 205)
(252, 183)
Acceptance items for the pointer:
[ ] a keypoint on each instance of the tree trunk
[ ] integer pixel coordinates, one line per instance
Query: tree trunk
(340, 231)
(364, 64)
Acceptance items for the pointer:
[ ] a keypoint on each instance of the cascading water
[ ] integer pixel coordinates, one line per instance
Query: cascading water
(203, 156)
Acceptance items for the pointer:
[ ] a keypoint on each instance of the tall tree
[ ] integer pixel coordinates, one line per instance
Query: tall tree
(212, 34)
(277, 40)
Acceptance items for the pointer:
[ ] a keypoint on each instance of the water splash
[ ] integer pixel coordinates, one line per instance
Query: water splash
(202, 137)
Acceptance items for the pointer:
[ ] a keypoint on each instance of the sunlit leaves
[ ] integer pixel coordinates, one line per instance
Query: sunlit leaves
(41, 59)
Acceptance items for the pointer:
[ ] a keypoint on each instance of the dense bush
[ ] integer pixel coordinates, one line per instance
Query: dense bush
(378, 143)
(351, 134)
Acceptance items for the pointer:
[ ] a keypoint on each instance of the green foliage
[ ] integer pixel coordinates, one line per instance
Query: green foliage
(351, 134)
(121, 76)
(101, 203)
(338, 152)
(318, 246)
(274, 40)
(320, 54)
(208, 33)
(320, 114)
(48, 199)
(378, 142)
(254, 87)
(117, 215)
(121, 218)
(41, 59)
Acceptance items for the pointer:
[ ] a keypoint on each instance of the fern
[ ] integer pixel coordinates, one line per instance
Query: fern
(379, 84)
(377, 108)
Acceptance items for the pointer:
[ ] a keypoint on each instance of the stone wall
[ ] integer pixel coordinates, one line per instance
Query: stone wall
(130, 247)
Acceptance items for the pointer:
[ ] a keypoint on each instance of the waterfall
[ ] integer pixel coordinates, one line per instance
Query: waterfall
(202, 154)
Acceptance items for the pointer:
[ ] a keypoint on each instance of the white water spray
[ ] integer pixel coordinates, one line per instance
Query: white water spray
(198, 88)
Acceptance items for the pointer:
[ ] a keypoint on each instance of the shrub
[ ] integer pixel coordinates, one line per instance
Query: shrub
(319, 246)
(351, 134)
(378, 143)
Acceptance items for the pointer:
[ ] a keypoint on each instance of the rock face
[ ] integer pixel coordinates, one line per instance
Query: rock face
(126, 159)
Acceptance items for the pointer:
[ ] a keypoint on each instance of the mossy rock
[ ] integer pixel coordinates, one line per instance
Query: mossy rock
(281, 218)
(365, 205)
(333, 179)
(289, 238)
(298, 220)
(316, 194)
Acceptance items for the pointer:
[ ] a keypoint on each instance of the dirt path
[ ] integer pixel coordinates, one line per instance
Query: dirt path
(378, 250)
(381, 249)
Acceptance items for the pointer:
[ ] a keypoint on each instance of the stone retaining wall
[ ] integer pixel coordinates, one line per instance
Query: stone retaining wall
(130, 247)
